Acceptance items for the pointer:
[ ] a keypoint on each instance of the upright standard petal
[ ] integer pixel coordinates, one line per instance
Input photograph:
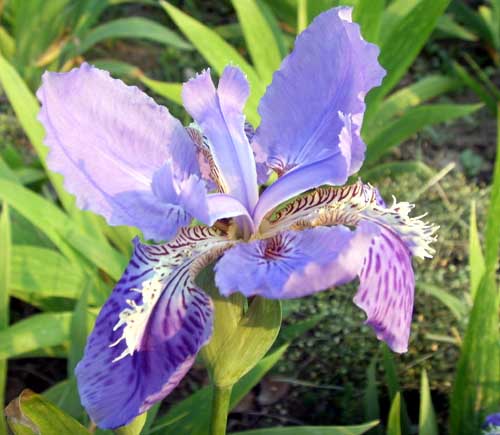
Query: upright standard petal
(316, 98)
(111, 142)
(387, 282)
(219, 113)
(292, 264)
(148, 333)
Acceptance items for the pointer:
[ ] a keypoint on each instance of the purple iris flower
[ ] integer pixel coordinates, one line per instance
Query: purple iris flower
(128, 159)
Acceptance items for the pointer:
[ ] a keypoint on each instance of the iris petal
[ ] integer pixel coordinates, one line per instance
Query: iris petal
(148, 333)
(292, 264)
(110, 141)
(386, 289)
(319, 88)
(386, 276)
(219, 113)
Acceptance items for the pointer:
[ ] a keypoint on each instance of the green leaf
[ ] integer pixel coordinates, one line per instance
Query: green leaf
(469, 81)
(192, 415)
(31, 413)
(457, 306)
(218, 53)
(133, 428)
(132, 28)
(312, 430)
(45, 273)
(259, 38)
(368, 15)
(472, 20)
(476, 389)
(60, 228)
(302, 15)
(65, 396)
(409, 96)
(427, 418)
(78, 329)
(394, 422)
(371, 401)
(492, 236)
(414, 120)
(239, 339)
(36, 332)
(5, 254)
(171, 91)
(405, 41)
(393, 384)
(450, 28)
(476, 258)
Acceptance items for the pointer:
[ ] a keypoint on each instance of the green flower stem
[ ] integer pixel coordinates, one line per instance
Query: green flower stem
(220, 409)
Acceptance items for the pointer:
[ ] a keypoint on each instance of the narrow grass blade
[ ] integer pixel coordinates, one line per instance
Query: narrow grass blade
(5, 254)
(414, 120)
(50, 219)
(476, 258)
(132, 28)
(410, 96)
(394, 422)
(370, 398)
(405, 41)
(368, 14)
(78, 330)
(218, 53)
(259, 38)
(427, 418)
(481, 92)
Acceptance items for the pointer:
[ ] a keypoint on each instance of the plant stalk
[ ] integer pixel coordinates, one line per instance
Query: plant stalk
(220, 408)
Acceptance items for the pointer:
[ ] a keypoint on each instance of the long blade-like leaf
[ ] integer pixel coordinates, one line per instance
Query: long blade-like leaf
(394, 422)
(218, 53)
(5, 254)
(476, 258)
(414, 120)
(405, 41)
(132, 28)
(427, 419)
(50, 219)
(312, 430)
(259, 38)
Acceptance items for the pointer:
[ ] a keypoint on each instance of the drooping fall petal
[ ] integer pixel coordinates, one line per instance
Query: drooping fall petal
(148, 333)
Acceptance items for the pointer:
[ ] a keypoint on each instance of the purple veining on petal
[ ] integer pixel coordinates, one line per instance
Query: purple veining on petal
(318, 95)
(387, 286)
(329, 171)
(125, 371)
(110, 141)
(292, 263)
(219, 113)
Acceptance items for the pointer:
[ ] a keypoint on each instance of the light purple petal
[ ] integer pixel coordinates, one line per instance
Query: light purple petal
(386, 279)
(148, 333)
(386, 291)
(219, 113)
(292, 263)
(332, 170)
(110, 142)
(317, 96)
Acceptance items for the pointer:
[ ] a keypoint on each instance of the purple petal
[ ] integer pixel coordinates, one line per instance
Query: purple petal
(292, 263)
(316, 99)
(386, 279)
(110, 142)
(329, 171)
(148, 333)
(386, 290)
(219, 112)
(492, 420)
